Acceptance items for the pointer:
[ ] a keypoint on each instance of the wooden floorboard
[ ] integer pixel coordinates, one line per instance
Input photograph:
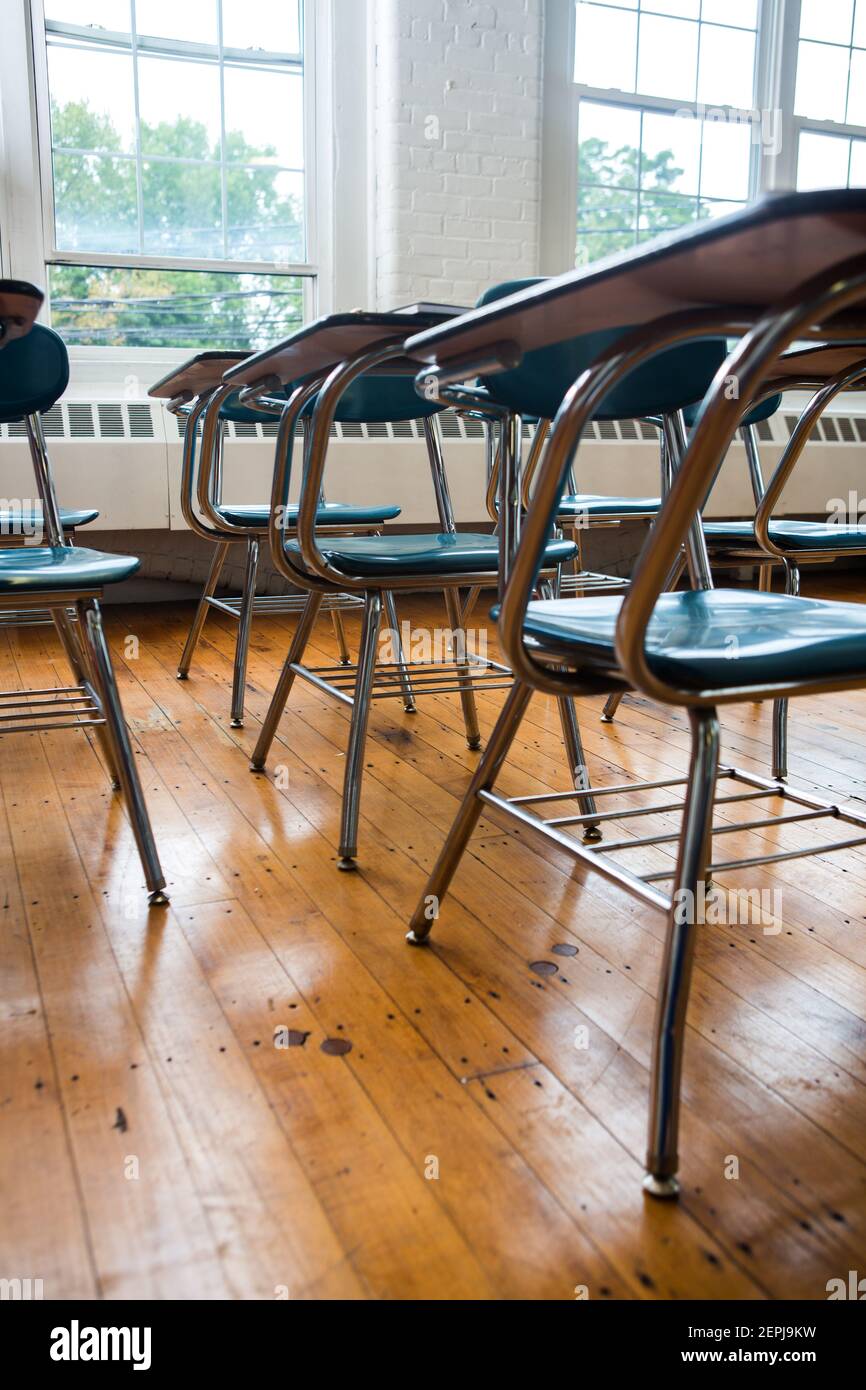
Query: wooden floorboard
(483, 1136)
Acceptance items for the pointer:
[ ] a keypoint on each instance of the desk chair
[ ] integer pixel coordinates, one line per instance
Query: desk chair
(673, 647)
(189, 390)
(22, 522)
(371, 566)
(767, 542)
(578, 511)
(34, 373)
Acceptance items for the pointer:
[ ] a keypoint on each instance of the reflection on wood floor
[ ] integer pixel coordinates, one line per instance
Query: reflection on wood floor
(473, 1141)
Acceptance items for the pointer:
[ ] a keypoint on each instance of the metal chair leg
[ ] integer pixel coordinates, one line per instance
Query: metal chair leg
(692, 860)
(306, 622)
(198, 621)
(124, 758)
(82, 671)
(612, 703)
(471, 599)
(577, 763)
(358, 731)
(574, 746)
(405, 677)
(467, 817)
(242, 646)
(340, 634)
(780, 707)
(464, 669)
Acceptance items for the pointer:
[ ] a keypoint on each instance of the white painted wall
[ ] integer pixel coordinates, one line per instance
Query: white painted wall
(457, 146)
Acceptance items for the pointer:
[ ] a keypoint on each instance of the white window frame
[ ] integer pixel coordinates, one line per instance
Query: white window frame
(332, 124)
(775, 80)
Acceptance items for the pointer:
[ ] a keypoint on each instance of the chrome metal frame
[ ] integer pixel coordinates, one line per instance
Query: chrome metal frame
(93, 700)
(761, 341)
(763, 549)
(203, 485)
(314, 571)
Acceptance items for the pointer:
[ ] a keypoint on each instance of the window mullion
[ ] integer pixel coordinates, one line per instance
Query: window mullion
(224, 197)
(139, 191)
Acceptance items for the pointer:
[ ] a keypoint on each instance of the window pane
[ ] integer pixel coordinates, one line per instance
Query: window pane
(594, 247)
(671, 153)
(667, 57)
(264, 117)
(102, 14)
(179, 105)
(604, 47)
(828, 22)
(860, 24)
(822, 80)
(664, 212)
(856, 114)
(192, 20)
(92, 106)
(858, 164)
(683, 9)
(822, 161)
(718, 208)
(606, 210)
(726, 76)
(261, 24)
(727, 152)
(84, 186)
(265, 215)
(743, 13)
(182, 209)
(609, 144)
(172, 308)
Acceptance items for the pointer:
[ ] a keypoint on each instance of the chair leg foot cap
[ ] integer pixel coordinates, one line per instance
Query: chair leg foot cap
(158, 898)
(347, 864)
(237, 723)
(664, 1189)
(183, 675)
(474, 743)
(257, 767)
(114, 784)
(591, 834)
(416, 940)
(410, 709)
(607, 719)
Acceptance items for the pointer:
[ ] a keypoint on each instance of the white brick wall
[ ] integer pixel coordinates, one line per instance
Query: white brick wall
(457, 148)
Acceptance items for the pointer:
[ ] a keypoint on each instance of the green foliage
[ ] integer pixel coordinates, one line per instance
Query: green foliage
(608, 183)
(96, 203)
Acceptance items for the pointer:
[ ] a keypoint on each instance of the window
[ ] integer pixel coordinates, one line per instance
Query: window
(174, 141)
(830, 94)
(677, 141)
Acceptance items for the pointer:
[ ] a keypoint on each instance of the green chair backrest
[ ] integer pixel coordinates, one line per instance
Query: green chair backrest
(34, 373)
(672, 379)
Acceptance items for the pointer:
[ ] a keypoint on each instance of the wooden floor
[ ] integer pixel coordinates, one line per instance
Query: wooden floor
(483, 1136)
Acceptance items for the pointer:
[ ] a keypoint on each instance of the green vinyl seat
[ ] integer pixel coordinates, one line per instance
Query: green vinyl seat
(38, 569)
(790, 535)
(463, 552)
(759, 412)
(16, 521)
(598, 508)
(711, 639)
(328, 514)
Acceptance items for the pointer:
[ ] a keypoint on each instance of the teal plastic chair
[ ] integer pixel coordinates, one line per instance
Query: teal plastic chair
(539, 384)
(373, 566)
(36, 362)
(247, 525)
(734, 543)
(692, 651)
(59, 577)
